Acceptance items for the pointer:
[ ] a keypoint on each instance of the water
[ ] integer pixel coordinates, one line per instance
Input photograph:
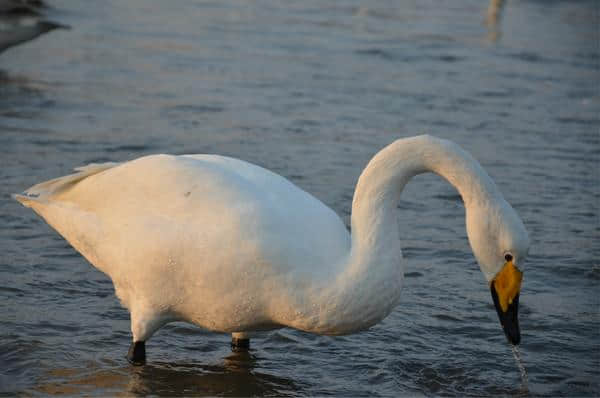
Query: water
(519, 362)
(312, 90)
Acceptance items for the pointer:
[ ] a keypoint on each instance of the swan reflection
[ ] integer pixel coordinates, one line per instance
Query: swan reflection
(236, 375)
(492, 20)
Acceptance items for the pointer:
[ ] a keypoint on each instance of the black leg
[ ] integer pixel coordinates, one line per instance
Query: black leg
(137, 353)
(240, 345)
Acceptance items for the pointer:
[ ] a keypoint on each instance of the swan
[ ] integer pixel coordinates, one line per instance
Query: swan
(232, 247)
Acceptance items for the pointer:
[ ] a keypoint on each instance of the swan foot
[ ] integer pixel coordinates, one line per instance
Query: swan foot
(137, 353)
(240, 344)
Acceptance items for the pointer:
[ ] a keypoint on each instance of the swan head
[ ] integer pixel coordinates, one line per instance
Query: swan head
(500, 244)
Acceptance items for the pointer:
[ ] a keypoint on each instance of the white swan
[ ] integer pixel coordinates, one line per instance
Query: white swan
(232, 247)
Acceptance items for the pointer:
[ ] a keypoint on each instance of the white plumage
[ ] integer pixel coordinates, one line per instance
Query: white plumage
(232, 247)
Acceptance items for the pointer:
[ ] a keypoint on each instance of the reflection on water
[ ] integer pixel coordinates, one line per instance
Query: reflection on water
(23, 98)
(235, 376)
(82, 380)
(492, 20)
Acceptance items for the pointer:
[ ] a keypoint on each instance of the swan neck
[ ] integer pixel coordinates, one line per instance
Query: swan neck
(379, 187)
(369, 283)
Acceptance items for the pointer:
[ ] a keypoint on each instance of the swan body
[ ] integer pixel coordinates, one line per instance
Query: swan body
(232, 247)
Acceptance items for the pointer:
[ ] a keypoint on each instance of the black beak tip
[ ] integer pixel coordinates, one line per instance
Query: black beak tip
(514, 337)
(509, 319)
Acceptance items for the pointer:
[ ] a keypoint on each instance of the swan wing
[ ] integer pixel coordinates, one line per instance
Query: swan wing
(181, 225)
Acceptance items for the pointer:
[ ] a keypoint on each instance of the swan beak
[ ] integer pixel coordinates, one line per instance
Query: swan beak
(505, 288)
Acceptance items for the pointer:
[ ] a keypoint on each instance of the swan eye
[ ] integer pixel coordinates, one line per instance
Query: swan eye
(508, 257)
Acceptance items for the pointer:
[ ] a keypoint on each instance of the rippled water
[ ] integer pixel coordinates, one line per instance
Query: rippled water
(312, 90)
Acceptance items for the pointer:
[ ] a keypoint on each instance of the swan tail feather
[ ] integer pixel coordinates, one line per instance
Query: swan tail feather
(39, 193)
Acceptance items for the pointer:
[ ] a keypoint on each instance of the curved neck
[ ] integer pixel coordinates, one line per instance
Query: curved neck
(373, 274)
(368, 285)
(380, 184)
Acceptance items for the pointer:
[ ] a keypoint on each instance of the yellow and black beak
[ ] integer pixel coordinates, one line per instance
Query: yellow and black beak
(505, 288)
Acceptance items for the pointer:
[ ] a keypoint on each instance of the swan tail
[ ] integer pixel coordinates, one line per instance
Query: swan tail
(39, 193)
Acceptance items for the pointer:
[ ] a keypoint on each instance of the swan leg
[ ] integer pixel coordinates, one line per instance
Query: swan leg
(137, 353)
(240, 342)
(143, 325)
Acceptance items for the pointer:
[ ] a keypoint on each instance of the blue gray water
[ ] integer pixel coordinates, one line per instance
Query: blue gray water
(312, 90)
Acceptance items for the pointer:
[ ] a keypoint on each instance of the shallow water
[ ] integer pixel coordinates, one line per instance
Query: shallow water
(312, 90)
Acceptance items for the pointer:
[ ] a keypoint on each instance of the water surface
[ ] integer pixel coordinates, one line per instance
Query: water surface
(312, 90)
